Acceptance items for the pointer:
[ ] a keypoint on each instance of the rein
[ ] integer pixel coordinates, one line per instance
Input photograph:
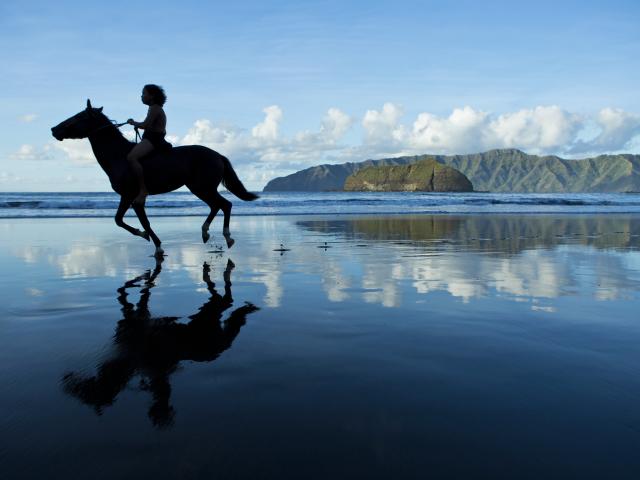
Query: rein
(117, 125)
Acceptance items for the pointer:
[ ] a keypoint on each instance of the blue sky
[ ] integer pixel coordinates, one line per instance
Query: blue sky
(279, 86)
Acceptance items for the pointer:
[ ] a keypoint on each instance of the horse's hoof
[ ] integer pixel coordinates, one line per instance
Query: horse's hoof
(205, 237)
(230, 242)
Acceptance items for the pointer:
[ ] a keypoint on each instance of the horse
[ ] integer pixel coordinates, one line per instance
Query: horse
(199, 168)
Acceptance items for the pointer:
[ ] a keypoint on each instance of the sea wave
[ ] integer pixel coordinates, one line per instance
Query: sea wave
(85, 205)
(39, 205)
(300, 199)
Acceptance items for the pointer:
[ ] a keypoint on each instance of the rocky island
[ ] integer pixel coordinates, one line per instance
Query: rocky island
(422, 176)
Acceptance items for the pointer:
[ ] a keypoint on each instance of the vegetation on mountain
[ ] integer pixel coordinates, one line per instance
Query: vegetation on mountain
(506, 170)
(423, 176)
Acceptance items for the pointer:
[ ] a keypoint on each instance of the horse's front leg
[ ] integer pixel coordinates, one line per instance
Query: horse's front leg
(125, 203)
(144, 221)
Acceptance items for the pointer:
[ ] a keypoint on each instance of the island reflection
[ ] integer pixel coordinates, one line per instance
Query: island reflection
(153, 347)
(499, 234)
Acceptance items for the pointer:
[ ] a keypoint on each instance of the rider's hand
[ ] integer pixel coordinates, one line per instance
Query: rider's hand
(130, 121)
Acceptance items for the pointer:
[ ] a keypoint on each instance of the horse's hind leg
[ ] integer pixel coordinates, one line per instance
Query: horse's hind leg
(207, 223)
(215, 207)
(210, 200)
(144, 221)
(225, 205)
(216, 202)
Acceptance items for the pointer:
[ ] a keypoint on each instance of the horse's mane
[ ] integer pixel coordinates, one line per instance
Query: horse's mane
(107, 121)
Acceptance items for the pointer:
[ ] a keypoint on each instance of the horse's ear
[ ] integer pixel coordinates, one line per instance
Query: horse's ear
(88, 104)
(99, 109)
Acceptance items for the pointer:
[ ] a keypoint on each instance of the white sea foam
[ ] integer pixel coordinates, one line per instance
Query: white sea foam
(104, 204)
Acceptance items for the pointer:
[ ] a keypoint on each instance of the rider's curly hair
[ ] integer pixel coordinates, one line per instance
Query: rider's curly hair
(157, 92)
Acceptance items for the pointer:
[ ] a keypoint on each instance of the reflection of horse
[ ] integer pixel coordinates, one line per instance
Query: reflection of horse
(154, 347)
(199, 168)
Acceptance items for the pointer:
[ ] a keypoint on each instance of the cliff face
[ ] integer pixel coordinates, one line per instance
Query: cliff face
(507, 170)
(323, 178)
(423, 176)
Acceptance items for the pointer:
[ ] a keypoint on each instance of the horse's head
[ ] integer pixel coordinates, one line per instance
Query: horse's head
(80, 125)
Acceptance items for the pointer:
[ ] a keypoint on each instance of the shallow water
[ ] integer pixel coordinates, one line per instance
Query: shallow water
(346, 346)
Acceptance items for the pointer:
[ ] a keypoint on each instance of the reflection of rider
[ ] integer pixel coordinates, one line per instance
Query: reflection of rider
(154, 347)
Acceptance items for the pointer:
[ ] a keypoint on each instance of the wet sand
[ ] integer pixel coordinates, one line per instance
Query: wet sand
(477, 346)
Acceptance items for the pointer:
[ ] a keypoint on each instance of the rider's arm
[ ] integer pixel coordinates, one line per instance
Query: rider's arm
(152, 114)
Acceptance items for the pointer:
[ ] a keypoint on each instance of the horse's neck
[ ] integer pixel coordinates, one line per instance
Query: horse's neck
(110, 149)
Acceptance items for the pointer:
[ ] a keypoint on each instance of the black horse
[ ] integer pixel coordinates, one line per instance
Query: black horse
(153, 347)
(199, 168)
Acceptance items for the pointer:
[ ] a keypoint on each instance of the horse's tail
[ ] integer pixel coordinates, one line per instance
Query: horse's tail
(232, 183)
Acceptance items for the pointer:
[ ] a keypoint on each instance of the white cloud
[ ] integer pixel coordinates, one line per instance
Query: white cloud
(24, 152)
(78, 151)
(617, 130)
(9, 178)
(382, 126)
(462, 131)
(28, 117)
(466, 130)
(263, 147)
(541, 129)
(268, 128)
(29, 153)
(222, 138)
(335, 124)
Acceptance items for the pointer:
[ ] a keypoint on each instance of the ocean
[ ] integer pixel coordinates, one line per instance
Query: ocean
(183, 204)
(476, 339)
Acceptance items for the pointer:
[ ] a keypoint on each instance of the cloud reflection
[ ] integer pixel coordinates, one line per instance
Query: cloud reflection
(534, 257)
(374, 259)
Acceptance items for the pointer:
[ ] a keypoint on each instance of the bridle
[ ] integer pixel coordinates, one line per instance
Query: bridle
(114, 124)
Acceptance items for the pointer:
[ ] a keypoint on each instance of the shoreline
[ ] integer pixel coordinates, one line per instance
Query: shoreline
(341, 214)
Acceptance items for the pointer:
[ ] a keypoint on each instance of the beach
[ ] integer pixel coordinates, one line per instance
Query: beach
(322, 346)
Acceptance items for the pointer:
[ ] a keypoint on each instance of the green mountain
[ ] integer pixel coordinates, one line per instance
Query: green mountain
(424, 176)
(506, 170)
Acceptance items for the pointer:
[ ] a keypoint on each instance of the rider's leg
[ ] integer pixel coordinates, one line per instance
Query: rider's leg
(140, 150)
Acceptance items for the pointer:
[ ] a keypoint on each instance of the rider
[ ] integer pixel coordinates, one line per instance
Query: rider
(154, 131)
